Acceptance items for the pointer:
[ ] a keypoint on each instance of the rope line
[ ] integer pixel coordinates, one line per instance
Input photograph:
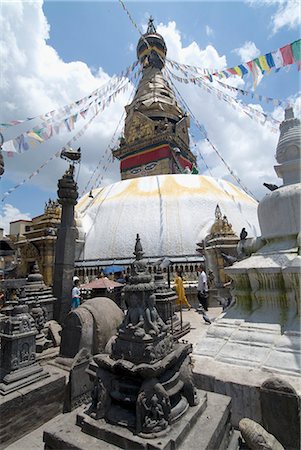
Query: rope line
(204, 133)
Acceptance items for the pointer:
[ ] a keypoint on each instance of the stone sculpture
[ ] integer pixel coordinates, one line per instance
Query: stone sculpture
(40, 317)
(153, 408)
(90, 326)
(146, 383)
(18, 366)
(256, 437)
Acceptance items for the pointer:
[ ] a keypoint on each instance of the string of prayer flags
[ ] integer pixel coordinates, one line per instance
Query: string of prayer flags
(45, 131)
(285, 56)
(102, 91)
(202, 128)
(258, 116)
(68, 144)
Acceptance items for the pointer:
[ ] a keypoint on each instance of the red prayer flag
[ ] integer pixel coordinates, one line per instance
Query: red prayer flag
(232, 71)
(287, 55)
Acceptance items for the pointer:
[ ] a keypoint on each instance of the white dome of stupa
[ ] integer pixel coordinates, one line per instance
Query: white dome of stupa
(171, 213)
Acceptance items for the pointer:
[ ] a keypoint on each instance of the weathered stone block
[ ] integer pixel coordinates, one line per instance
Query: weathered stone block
(29, 407)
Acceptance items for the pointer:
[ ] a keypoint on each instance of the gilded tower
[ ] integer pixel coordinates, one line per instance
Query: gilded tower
(156, 139)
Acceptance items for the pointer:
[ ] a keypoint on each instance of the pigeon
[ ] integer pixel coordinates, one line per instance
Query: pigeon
(271, 187)
(224, 302)
(243, 234)
(228, 258)
(205, 317)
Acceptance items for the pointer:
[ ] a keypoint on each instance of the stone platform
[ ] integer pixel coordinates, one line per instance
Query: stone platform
(242, 384)
(25, 409)
(205, 426)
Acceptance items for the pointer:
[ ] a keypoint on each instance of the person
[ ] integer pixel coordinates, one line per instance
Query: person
(75, 294)
(203, 288)
(1, 299)
(182, 299)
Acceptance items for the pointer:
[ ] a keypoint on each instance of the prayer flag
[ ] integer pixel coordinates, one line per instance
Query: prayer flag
(296, 50)
(287, 55)
(278, 60)
(231, 70)
(238, 71)
(256, 61)
(9, 147)
(35, 136)
(243, 69)
(67, 124)
(225, 73)
(263, 62)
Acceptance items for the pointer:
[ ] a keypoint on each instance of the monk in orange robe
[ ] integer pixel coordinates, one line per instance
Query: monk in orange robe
(182, 299)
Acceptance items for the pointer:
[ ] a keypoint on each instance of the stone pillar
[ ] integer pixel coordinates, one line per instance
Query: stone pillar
(65, 246)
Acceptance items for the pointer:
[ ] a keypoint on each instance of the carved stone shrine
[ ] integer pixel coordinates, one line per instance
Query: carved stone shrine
(145, 384)
(36, 288)
(18, 345)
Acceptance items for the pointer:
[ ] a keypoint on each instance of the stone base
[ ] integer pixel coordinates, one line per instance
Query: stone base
(261, 345)
(241, 383)
(124, 438)
(204, 427)
(27, 408)
(22, 377)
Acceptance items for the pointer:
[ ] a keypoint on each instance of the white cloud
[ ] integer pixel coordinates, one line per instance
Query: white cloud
(288, 13)
(35, 80)
(209, 31)
(10, 213)
(192, 54)
(247, 52)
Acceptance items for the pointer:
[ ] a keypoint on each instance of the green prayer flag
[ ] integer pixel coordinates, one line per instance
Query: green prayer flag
(296, 49)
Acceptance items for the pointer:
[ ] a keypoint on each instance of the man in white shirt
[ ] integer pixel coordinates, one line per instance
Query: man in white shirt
(203, 288)
(75, 294)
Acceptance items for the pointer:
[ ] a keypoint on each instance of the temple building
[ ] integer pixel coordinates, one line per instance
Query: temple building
(35, 241)
(160, 195)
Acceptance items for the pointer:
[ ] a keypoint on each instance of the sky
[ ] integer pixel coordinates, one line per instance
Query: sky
(53, 53)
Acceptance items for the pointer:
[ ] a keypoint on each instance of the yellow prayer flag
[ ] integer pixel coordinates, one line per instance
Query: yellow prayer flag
(263, 63)
(34, 136)
(238, 71)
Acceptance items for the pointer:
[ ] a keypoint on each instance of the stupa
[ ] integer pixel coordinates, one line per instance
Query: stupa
(35, 288)
(260, 335)
(170, 208)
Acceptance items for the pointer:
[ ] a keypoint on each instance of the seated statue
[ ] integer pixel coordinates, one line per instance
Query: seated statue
(133, 322)
(153, 324)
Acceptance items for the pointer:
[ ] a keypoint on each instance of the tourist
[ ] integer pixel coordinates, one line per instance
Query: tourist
(203, 288)
(182, 299)
(75, 293)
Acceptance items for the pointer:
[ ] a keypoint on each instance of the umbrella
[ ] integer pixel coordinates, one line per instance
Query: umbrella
(112, 269)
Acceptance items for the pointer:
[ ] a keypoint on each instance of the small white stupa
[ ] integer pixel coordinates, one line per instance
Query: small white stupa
(260, 334)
